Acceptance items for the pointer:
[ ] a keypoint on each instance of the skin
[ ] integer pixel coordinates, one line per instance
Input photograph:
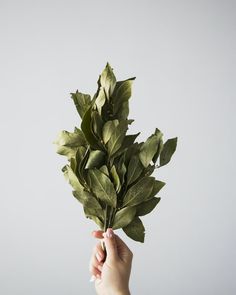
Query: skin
(112, 276)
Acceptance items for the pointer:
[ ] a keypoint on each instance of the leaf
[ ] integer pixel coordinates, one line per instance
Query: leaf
(95, 215)
(139, 192)
(116, 178)
(66, 151)
(123, 217)
(159, 135)
(97, 124)
(73, 180)
(121, 170)
(135, 169)
(135, 230)
(148, 150)
(108, 80)
(79, 157)
(157, 186)
(127, 142)
(96, 159)
(102, 187)
(146, 207)
(87, 199)
(123, 111)
(117, 137)
(130, 152)
(100, 100)
(168, 150)
(68, 142)
(108, 129)
(82, 102)
(86, 126)
(70, 139)
(104, 170)
(122, 93)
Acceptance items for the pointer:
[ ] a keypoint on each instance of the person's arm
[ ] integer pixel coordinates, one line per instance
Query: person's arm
(112, 276)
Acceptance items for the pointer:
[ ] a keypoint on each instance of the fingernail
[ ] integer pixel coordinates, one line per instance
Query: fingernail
(99, 258)
(92, 279)
(109, 233)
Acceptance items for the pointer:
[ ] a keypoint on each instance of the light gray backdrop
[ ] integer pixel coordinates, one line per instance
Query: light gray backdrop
(183, 55)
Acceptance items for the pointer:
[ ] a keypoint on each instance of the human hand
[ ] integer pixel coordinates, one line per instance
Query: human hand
(112, 276)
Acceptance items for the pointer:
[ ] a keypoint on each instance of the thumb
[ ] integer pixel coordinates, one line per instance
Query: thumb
(110, 243)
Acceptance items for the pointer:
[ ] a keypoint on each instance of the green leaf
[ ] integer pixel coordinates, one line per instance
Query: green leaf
(130, 152)
(108, 129)
(122, 93)
(157, 186)
(139, 192)
(97, 124)
(66, 151)
(96, 159)
(146, 207)
(121, 170)
(159, 135)
(104, 170)
(135, 169)
(123, 111)
(102, 187)
(82, 102)
(73, 180)
(86, 126)
(95, 215)
(81, 156)
(100, 100)
(68, 142)
(87, 199)
(108, 80)
(116, 178)
(148, 150)
(123, 217)
(127, 142)
(135, 230)
(71, 139)
(168, 150)
(117, 137)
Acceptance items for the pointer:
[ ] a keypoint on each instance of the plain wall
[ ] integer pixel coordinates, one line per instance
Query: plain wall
(183, 55)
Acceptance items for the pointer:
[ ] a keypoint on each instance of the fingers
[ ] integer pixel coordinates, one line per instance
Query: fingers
(97, 234)
(110, 243)
(116, 246)
(123, 250)
(95, 265)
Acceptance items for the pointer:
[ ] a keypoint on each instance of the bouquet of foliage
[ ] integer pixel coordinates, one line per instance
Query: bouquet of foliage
(109, 171)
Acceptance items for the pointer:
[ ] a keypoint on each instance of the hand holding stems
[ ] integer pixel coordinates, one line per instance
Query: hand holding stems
(112, 276)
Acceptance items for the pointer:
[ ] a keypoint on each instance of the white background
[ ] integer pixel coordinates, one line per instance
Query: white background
(183, 55)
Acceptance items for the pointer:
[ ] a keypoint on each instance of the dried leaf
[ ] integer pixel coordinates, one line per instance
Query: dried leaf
(148, 150)
(135, 169)
(123, 217)
(168, 150)
(102, 187)
(96, 159)
(139, 192)
(82, 102)
(135, 230)
(115, 178)
(108, 129)
(108, 80)
(116, 139)
(146, 207)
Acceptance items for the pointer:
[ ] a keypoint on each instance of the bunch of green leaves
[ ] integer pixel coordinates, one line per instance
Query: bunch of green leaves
(109, 171)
